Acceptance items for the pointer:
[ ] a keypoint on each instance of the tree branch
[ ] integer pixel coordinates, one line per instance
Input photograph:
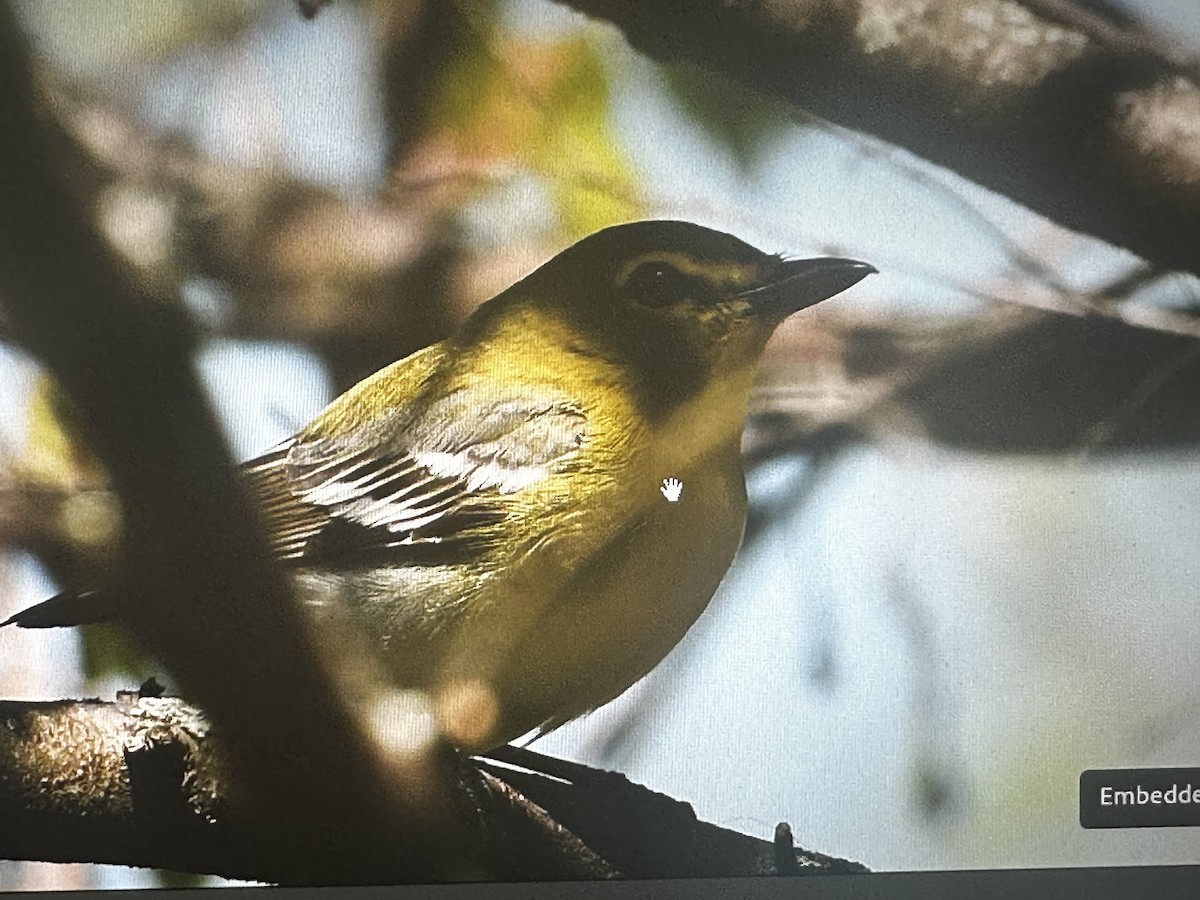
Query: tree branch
(197, 585)
(143, 782)
(1098, 137)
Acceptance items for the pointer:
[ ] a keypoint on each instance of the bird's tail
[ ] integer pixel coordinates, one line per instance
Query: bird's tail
(67, 608)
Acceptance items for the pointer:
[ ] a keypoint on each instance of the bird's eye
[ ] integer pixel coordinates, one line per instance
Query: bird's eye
(657, 284)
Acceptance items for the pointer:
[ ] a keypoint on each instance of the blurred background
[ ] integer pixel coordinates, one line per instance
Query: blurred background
(971, 563)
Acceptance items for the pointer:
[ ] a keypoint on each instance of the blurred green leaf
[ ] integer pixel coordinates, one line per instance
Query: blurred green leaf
(593, 182)
(110, 650)
(540, 106)
(738, 118)
(181, 880)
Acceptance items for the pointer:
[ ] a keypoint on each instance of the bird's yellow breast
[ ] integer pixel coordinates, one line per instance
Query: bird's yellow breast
(616, 553)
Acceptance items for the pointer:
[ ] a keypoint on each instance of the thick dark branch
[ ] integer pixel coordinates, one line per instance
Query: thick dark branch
(143, 782)
(1099, 139)
(650, 835)
(197, 584)
(117, 783)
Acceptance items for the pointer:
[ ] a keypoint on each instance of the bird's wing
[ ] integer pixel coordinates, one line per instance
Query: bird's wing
(424, 488)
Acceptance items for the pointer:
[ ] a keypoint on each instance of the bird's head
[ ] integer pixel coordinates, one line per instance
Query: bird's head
(675, 304)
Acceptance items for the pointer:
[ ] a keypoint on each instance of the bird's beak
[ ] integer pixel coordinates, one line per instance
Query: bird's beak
(800, 283)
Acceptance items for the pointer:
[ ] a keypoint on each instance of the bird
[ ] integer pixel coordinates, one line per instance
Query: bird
(528, 516)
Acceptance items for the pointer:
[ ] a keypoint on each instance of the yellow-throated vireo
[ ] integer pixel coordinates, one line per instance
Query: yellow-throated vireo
(537, 508)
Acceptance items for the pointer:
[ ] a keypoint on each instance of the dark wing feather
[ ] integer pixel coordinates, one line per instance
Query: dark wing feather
(290, 524)
(411, 489)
